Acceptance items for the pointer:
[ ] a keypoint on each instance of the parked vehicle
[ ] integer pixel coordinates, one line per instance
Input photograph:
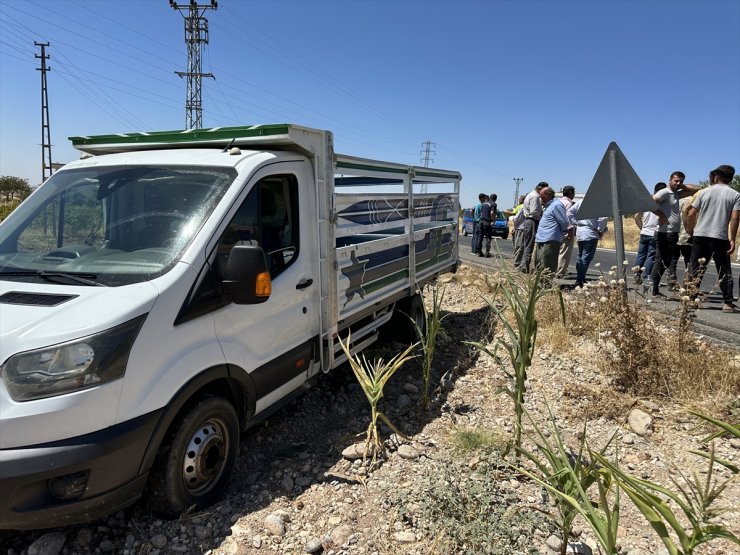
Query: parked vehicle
(165, 293)
(467, 222)
(500, 226)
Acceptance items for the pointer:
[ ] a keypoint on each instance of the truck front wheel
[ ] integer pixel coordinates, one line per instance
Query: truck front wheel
(409, 313)
(194, 464)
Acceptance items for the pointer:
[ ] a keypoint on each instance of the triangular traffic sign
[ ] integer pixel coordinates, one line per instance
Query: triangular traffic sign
(631, 194)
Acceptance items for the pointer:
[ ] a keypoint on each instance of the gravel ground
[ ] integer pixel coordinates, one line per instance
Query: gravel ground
(298, 486)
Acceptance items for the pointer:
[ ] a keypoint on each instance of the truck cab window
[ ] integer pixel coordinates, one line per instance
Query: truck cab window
(268, 217)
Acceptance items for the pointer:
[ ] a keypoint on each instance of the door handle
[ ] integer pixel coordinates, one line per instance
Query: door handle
(303, 284)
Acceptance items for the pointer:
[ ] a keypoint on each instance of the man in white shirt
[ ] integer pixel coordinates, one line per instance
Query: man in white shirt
(525, 233)
(648, 224)
(566, 247)
(711, 213)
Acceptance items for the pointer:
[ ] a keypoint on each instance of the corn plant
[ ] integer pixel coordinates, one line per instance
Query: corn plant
(428, 332)
(568, 476)
(372, 377)
(724, 427)
(521, 299)
(697, 501)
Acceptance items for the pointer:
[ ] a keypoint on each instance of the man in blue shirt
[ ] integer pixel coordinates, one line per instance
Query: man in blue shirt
(476, 247)
(553, 227)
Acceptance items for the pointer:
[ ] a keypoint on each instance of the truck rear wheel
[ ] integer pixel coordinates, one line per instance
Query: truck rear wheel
(194, 464)
(401, 326)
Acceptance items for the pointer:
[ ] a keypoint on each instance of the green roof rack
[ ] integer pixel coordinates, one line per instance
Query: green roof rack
(273, 136)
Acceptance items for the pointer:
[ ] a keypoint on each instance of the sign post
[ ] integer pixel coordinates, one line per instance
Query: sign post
(615, 190)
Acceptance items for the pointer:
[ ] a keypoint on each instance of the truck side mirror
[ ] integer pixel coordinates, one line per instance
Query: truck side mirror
(246, 278)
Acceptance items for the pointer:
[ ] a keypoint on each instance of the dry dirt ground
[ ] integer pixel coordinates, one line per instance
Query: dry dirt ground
(294, 492)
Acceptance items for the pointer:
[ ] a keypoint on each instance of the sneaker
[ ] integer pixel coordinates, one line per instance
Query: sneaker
(480, 255)
(638, 279)
(658, 295)
(488, 255)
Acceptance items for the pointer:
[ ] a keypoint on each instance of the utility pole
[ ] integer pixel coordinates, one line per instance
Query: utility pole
(427, 153)
(196, 35)
(517, 180)
(46, 167)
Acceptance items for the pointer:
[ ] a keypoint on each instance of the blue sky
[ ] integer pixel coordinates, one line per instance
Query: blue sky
(505, 89)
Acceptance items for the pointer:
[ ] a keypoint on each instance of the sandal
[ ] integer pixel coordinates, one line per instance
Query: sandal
(729, 309)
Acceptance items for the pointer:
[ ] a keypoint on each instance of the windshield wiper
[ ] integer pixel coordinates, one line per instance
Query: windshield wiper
(84, 279)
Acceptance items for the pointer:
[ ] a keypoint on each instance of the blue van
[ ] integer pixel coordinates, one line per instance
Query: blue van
(467, 222)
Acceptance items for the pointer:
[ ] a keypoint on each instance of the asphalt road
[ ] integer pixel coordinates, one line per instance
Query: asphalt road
(710, 320)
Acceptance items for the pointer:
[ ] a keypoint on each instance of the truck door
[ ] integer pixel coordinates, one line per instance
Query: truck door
(275, 341)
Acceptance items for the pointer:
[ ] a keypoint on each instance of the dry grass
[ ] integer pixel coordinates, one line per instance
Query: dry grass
(646, 354)
(631, 236)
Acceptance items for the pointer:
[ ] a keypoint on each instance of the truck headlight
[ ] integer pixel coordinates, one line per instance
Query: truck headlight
(72, 366)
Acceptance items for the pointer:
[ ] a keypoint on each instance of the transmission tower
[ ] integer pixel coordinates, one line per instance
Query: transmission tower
(427, 152)
(517, 180)
(196, 35)
(427, 155)
(46, 167)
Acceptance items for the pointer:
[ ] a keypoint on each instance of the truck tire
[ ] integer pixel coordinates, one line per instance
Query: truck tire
(194, 463)
(400, 327)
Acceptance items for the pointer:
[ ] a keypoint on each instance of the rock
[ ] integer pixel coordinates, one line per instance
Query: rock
(256, 542)
(275, 525)
(405, 536)
(340, 534)
(304, 481)
(628, 439)
(403, 401)
(735, 442)
(356, 451)
(410, 388)
(553, 542)
(48, 544)
(203, 532)
(158, 541)
(407, 452)
(107, 546)
(640, 422)
(286, 483)
(579, 548)
(84, 537)
(313, 546)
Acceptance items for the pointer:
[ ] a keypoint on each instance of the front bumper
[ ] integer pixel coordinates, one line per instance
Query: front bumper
(102, 469)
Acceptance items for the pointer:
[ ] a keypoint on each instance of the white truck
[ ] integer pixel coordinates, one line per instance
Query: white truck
(169, 289)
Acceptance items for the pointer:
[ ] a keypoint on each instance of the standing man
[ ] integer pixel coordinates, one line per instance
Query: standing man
(588, 234)
(715, 208)
(666, 239)
(512, 214)
(647, 222)
(551, 230)
(476, 222)
(566, 248)
(486, 228)
(531, 212)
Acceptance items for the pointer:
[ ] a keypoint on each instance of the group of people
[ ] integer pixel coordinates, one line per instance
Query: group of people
(689, 222)
(550, 227)
(483, 215)
(698, 225)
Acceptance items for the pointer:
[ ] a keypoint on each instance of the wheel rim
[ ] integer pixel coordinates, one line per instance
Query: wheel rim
(205, 457)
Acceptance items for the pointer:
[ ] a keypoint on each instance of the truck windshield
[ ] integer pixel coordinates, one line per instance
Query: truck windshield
(109, 225)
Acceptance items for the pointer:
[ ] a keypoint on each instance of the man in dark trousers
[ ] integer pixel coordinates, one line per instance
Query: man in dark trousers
(666, 239)
(712, 212)
(531, 212)
(486, 229)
